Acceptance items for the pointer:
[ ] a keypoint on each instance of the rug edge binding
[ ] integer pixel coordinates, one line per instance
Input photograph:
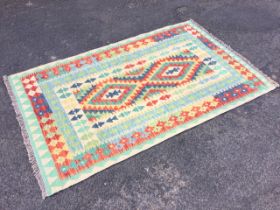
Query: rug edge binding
(26, 139)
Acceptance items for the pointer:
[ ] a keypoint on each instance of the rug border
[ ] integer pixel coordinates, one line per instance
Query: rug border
(26, 139)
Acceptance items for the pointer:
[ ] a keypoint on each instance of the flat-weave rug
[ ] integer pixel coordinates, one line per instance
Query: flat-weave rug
(83, 114)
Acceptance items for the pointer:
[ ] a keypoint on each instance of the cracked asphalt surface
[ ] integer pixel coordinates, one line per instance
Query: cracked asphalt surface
(230, 162)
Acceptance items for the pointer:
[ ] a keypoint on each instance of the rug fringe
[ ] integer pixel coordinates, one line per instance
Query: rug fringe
(26, 139)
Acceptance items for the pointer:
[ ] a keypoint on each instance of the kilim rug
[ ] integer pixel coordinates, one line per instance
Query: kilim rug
(83, 114)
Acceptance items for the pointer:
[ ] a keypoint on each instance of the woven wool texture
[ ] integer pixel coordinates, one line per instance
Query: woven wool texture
(83, 114)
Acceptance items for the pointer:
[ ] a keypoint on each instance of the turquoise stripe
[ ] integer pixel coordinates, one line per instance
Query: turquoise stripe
(62, 121)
